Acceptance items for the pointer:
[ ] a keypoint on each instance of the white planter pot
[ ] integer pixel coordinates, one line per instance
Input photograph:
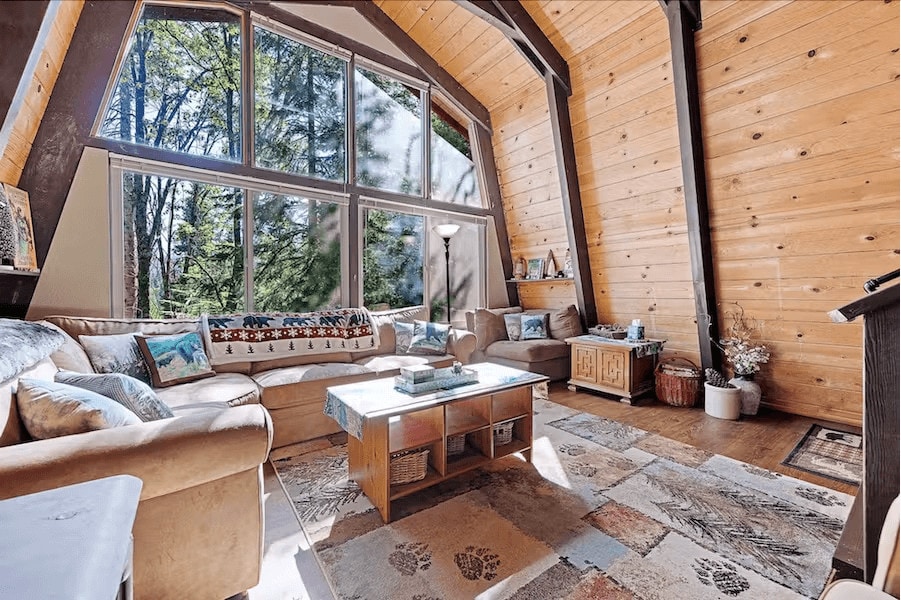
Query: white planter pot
(722, 403)
(750, 393)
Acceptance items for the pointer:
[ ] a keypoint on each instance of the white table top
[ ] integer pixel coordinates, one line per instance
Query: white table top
(70, 543)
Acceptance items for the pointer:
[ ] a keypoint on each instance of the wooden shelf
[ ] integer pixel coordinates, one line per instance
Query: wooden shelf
(469, 459)
(410, 432)
(462, 423)
(512, 448)
(20, 273)
(431, 477)
(545, 280)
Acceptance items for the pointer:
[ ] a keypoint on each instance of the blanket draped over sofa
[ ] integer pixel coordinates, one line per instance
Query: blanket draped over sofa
(255, 337)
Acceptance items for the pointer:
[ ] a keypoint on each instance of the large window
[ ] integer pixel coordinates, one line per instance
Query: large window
(300, 117)
(179, 86)
(262, 221)
(388, 133)
(296, 253)
(183, 247)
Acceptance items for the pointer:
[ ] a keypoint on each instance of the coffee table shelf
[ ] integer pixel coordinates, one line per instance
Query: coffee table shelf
(382, 421)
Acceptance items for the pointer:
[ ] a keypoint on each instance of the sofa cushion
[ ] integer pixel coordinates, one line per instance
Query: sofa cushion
(133, 394)
(565, 322)
(534, 326)
(49, 409)
(173, 359)
(513, 323)
(488, 325)
(290, 386)
(294, 361)
(529, 351)
(219, 392)
(389, 363)
(70, 356)
(116, 354)
(429, 338)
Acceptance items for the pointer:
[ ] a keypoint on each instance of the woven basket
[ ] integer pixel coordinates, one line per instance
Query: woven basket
(503, 433)
(409, 466)
(678, 385)
(455, 444)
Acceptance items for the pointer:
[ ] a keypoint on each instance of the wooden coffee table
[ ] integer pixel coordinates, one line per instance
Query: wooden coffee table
(382, 421)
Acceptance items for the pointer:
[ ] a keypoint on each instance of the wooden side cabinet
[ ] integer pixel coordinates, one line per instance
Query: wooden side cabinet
(612, 366)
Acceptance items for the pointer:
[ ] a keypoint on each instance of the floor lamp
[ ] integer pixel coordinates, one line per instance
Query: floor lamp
(446, 231)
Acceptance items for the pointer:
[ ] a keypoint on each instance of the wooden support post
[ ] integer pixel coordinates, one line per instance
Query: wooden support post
(682, 25)
(565, 153)
(484, 153)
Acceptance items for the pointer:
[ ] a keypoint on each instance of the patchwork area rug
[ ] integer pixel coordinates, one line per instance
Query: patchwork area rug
(829, 452)
(604, 511)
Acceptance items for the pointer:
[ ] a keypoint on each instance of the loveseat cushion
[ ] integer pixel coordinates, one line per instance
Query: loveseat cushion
(289, 386)
(529, 350)
(70, 356)
(488, 324)
(222, 391)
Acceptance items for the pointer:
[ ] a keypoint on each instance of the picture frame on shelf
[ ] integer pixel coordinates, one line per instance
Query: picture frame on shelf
(535, 269)
(24, 257)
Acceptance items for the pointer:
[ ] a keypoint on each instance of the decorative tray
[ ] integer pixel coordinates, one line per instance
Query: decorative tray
(444, 379)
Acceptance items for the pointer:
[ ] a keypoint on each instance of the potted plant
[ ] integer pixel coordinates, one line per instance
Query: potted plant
(721, 399)
(745, 358)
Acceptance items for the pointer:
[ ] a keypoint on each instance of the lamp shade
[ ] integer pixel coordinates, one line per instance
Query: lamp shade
(446, 230)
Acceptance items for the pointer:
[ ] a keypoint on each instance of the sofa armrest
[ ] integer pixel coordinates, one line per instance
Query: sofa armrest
(462, 344)
(167, 455)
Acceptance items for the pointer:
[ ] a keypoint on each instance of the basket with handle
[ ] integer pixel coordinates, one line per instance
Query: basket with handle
(679, 382)
(503, 433)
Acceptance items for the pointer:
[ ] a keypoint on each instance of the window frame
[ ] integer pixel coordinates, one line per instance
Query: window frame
(150, 160)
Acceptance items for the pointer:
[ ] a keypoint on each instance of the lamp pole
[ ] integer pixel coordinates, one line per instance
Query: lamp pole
(446, 231)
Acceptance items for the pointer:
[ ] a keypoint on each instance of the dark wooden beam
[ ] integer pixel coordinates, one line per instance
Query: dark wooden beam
(564, 150)
(694, 178)
(19, 30)
(293, 21)
(692, 6)
(435, 72)
(485, 155)
(514, 21)
(66, 125)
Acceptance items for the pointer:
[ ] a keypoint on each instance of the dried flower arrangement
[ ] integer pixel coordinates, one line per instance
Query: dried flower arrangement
(744, 355)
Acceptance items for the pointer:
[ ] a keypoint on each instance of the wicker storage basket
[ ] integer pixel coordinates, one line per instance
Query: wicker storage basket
(455, 444)
(409, 466)
(503, 433)
(678, 384)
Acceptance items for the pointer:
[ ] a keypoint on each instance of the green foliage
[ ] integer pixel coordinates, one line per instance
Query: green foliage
(392, 259)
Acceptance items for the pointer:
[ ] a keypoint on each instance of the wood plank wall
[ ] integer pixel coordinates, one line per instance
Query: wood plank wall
(800, 107)
(28, 119)
(800, 114)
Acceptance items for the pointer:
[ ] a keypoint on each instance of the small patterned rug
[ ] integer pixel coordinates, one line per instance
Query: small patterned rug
(605, 510)
(829, 452)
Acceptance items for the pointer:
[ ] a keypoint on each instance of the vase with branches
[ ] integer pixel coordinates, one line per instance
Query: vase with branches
(745, 357)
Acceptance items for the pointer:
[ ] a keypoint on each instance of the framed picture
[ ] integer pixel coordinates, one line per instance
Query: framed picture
(23, 252)
(535, 268)
(7, 233)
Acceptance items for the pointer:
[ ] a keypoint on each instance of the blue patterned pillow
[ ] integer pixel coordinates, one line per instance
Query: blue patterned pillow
(534, 327)
(175, 358)
(115, 354)
(429, 338)
(49, 409)
(403, 337)
(133, 394)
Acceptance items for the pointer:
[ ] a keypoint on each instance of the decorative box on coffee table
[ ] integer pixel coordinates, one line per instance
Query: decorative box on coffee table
(624, 368)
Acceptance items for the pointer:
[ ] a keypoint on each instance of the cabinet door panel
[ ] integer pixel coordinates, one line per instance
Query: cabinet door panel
(613, 369)
(584, 364)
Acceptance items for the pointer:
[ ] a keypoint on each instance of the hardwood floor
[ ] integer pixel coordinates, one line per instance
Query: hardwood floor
(763, 440)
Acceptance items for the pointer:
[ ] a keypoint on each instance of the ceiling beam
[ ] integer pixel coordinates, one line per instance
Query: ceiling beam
(682, 24)
(514, 21)
(436, 74)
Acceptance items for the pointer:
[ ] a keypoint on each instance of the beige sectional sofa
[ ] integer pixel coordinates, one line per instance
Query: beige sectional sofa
(292, 389)
(549, 356)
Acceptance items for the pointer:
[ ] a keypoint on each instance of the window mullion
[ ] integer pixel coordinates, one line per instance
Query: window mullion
(426, 117)
(350, 137)
(249, 196)
(247, 91)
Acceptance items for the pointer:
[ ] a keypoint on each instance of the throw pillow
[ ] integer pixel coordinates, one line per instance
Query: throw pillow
(175, 358)
(429, 338)
(514, 326)
(115, 354)
(534, 327)
(49, 409)
(133, 394)
(565, 323)
(489, 326)
(403, 337)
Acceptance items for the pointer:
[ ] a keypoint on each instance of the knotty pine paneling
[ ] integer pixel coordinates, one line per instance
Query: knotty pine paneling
(801, 121)
(28, 119)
